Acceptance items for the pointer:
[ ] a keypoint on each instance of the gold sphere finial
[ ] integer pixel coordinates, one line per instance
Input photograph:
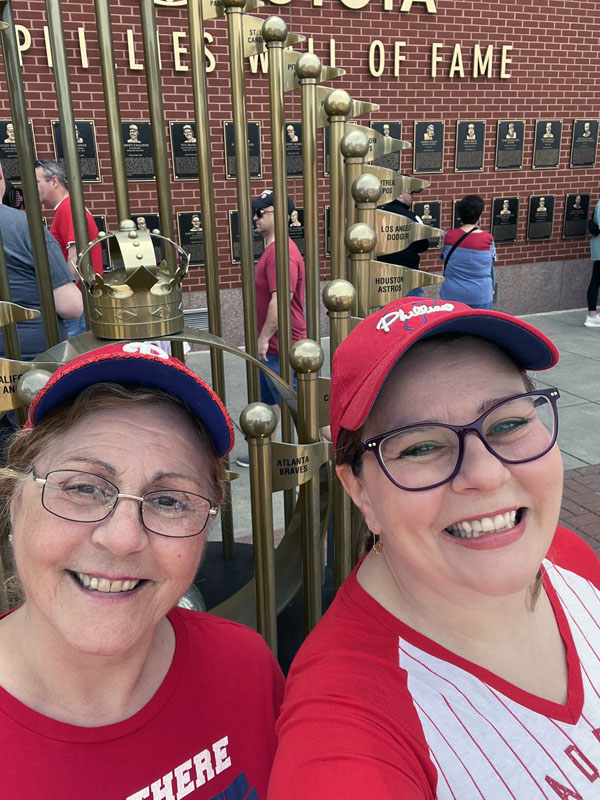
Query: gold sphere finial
(258, 420)
(338, 103)
(306, 356)
(126, 225)
(274, 29)
(366, 188)
(31, 383)
(354, 144)
(360, 238)
(339, 295)
(308, 66)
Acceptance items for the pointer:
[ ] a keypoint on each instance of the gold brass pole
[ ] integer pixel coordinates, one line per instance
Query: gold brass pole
(233, 9)
(205, 181)
(360, 241)
(26, 161)
(258, 422)
(306, 358)
(308, 71)
(339, 298)
(111, 105)
(274, 32)
(67, 129)
(337, 105)
(354, 147)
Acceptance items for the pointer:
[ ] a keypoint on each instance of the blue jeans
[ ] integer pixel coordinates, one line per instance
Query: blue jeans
(268, 392)
(75, 326)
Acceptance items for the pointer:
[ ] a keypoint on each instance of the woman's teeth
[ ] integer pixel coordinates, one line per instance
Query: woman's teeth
(478, 527)
(106, 586)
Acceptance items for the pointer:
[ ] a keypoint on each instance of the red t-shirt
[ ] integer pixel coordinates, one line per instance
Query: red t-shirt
(266, 284)
(207, 733)
(64, 233)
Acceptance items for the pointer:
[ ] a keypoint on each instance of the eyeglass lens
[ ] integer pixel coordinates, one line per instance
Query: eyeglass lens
(84, 497)
(521, 429)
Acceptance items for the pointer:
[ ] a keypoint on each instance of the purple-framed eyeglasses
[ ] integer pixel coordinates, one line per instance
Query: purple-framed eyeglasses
(515, 430)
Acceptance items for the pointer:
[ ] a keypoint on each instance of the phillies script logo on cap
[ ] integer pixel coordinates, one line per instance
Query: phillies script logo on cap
(146, 349)
(417, 313)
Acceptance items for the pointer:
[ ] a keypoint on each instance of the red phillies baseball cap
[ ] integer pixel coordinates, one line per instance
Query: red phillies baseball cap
(365, 358)
(142, 364)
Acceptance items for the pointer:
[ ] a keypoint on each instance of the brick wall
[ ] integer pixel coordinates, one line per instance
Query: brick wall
(554, 63)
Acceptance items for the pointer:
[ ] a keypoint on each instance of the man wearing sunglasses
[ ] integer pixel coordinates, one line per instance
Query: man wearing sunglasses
(410, 256)
(263, 215)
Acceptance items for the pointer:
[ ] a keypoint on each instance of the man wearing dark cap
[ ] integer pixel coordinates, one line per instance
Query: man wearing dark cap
(410, 256)
(267, 299)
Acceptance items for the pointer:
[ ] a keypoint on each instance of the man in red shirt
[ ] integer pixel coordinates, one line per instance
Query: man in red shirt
(54, 193)
(266, 297)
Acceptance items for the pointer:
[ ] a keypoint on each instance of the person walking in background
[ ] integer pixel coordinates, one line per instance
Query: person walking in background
(54, 193)
(469, 254)
(592, 320)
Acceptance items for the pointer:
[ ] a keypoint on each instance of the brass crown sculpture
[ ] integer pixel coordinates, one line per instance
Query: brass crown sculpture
(139, 297)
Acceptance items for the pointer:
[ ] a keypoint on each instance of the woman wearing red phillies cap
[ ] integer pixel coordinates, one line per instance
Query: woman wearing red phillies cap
(107, 689)
(461, 659)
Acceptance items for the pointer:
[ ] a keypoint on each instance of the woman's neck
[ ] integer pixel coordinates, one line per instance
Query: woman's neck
(469, 226)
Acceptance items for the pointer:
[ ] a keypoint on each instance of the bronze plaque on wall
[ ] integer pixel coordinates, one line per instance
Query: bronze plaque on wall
(575, 216)
(254, 151)
(456, 220)
(191, 235)
(546, 147)
(540, 218)
(509, 144)
(430, 213)
(296, 228)
(100, 220)
(584, 143)
(183, 149)
(139, 152)
(293, 149)
(145, 221)
(234, 239)
(505, 219)
(470, 144)
(428, 147)
(8, 150)
(85, 134)
(392, 130)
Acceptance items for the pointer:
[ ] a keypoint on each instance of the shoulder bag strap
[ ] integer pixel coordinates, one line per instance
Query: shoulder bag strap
(456, 243)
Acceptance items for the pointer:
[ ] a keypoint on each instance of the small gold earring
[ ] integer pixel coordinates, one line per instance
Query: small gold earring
(378, 544)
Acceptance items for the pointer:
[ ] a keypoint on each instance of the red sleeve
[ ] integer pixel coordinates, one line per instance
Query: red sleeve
(570, 551)
(271, 270)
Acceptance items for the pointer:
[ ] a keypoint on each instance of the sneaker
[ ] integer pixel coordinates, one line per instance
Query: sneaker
(243, 460)
(592, 322)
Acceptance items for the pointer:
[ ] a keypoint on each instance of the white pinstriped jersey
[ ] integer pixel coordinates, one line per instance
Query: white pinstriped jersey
(488, 739)
(374, 710)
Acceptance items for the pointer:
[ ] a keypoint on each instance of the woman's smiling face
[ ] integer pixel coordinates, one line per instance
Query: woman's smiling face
(455, 382)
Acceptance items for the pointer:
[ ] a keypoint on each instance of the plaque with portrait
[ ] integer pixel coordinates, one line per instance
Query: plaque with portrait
(234, 239)
(584, 143)
(183, 149)
(85, 136)
(546, 147)
(430, 213)
(428, 147)
(392, 130)
(147, 221)
(470, 144)
(8, 150)
(254, 150)
(456, 220)
(139, 150)
(296, 228)
(505, 219)
(191, 235)
(293, 149)
(575, 216)
(327, 215)
(540, 217)
(100, 220)
(509, 144)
